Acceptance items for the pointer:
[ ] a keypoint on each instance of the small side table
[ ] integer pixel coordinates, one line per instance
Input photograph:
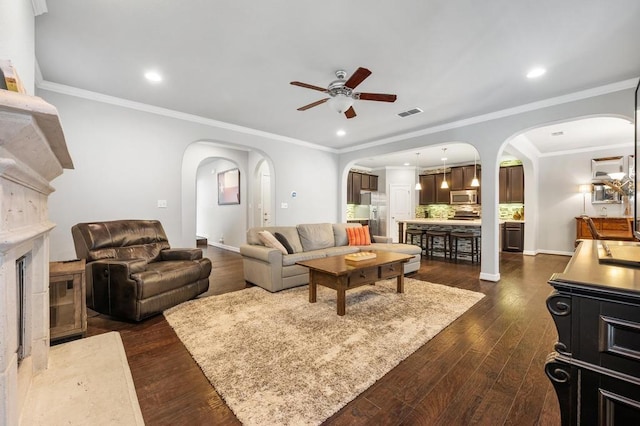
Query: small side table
(67, 299)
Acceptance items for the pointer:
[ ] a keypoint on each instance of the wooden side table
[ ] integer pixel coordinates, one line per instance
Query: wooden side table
(67, 299)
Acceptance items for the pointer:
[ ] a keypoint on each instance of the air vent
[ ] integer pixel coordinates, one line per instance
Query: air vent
(560, 133)
(410, 112)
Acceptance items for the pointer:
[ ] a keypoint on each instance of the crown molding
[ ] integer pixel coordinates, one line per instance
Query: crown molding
(139, 106)
(545, 103)
(39, 7)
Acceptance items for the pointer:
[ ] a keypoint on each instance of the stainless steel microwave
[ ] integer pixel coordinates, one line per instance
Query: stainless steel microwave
(468, 196)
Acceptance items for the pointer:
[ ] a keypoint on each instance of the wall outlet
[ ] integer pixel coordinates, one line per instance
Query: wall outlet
(162, 204)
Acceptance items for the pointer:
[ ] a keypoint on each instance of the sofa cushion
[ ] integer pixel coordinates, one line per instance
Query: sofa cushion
(269, 240)
(359, 236)
(395, 247)
(291, 259)
(283, 240)
(291, 232)
(340, 232)
(316, 236)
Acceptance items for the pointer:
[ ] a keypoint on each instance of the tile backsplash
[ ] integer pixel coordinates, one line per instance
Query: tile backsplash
(505, 211)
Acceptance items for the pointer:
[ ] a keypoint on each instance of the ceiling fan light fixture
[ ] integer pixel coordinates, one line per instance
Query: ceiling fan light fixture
(340, 103)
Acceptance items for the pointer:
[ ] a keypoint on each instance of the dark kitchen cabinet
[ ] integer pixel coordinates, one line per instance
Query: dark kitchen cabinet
(357, 182)
(461, 178)
(428, 191)
(368, 182)
(442, 195)
(431, 193)
(511, 185)
(513, 238)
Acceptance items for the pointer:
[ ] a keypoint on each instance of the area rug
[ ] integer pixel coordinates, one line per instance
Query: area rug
(277, 359)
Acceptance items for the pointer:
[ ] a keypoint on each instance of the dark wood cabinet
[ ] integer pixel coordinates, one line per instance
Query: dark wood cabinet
(513, 237)
(431, 193)
(595, 366)
(357, 182)
(351, 196)
(428, 192)
(442, 195)
(461, 178)
(511, 185)
(373, 183)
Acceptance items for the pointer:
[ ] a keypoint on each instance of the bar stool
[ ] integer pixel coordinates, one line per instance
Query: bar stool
(474, 245)
(411, 233)
(431, 247)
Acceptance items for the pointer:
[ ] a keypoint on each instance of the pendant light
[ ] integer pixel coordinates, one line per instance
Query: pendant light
(475, 182)
(418, 186)
(444, 184)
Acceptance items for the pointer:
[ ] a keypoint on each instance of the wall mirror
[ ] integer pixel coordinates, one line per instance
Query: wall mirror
(601, 167)
(603, 194)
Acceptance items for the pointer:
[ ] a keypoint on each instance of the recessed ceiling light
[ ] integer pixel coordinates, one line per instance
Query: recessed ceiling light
(407, 164)
(341, 132)
(536, 72)
(153, 76)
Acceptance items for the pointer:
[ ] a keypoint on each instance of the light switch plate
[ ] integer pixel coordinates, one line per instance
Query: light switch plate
(284, 205)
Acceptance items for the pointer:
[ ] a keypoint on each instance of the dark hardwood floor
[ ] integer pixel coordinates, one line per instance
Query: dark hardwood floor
(485, 368)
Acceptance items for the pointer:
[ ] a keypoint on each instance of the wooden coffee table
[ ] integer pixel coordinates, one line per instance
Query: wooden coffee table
(341, 275)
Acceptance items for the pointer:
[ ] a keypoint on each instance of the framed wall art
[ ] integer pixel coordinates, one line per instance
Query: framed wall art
(229, 187)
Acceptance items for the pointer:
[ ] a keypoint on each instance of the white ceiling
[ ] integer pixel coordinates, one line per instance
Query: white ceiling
(233, 61)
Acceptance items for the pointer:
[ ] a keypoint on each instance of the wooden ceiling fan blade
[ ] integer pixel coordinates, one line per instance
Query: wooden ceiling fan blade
(350, 113)
(311, 105)
(309, 86)
(382, 97)
(357, 78)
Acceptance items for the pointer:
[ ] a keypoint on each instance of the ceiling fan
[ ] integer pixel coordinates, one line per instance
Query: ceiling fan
(341, 94)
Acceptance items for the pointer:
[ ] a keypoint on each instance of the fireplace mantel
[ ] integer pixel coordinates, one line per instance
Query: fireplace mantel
(33, 152)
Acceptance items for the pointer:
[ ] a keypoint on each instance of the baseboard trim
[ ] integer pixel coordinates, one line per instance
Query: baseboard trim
(225, 247)
(557, 252)
(530, 252)
(489, 277)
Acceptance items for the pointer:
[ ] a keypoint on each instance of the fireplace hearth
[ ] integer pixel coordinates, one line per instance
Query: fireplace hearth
(33, 152)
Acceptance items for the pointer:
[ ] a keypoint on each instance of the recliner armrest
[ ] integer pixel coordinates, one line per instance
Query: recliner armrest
(181, 254)
(127, 267)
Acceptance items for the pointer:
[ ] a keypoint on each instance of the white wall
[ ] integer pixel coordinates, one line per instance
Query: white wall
(17, 38)
(219, 222)
(126, 160)
(560, 202)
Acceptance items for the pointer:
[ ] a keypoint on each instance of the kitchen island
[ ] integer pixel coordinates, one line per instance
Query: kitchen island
(435, 224)
(473, 226)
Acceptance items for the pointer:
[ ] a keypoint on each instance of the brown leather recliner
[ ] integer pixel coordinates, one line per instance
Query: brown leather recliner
(132, 273)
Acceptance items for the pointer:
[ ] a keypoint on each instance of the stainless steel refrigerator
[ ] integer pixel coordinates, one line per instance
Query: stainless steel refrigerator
(378, 214)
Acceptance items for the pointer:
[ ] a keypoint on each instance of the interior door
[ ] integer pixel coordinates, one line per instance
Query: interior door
(265, 199)
(399, 207)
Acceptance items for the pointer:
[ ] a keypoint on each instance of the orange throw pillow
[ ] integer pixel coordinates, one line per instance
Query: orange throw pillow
(359, 235)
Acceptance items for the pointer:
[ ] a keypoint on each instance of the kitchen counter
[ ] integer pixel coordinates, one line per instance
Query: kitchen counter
(475, 223)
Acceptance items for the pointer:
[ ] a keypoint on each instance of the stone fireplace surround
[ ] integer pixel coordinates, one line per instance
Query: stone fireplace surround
(32, 153)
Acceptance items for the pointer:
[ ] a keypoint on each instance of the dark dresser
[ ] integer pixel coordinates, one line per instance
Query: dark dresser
(595, 366)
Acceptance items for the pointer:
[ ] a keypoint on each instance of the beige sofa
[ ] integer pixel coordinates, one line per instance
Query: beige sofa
(272, 270)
